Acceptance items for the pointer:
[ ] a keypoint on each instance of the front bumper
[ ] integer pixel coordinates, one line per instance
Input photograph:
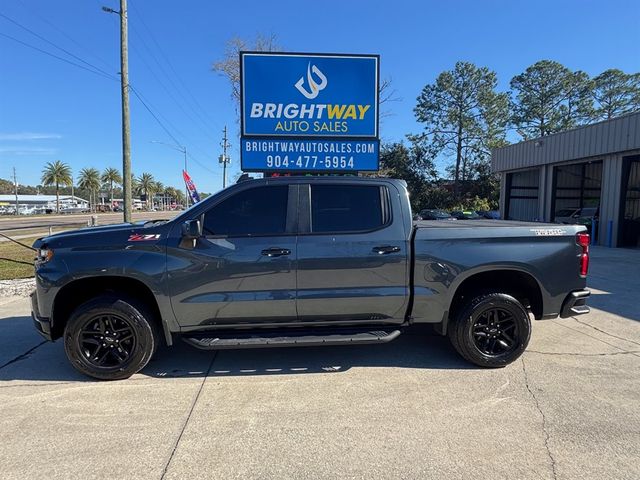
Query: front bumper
(42, 324)
(575, 304)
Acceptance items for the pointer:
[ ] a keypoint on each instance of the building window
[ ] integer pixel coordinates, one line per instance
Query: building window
(521, 201)
(576, 193)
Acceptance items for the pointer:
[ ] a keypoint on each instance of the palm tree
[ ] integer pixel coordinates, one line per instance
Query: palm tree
(146, 184)
(135, 186)
(179, 197)
(111, 176)
(57, 173)
(170, 194)
(158, 187)
(89, 179)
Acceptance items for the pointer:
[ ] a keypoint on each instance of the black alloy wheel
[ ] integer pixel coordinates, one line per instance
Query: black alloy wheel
(490, 329)
(495, 331)
(107, 340)
(111, 337)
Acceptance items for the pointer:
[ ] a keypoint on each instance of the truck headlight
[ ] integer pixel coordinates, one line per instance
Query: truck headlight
(44, 255)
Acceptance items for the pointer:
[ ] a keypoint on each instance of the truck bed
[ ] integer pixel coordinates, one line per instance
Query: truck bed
(448, 252)
(481, 223)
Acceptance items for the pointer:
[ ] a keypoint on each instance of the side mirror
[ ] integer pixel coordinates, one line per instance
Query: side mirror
(191, 229)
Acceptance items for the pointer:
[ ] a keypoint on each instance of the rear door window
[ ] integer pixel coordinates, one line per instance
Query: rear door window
(347, 208)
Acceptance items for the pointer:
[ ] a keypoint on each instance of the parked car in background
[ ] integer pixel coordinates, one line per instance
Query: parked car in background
(465, 215)
(577, 216)
(490, 214)
(434, 214)
(74, 209)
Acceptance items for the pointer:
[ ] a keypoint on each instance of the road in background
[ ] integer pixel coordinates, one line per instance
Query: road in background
(14, 224)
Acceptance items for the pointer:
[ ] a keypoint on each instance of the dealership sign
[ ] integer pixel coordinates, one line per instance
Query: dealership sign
(309, 112)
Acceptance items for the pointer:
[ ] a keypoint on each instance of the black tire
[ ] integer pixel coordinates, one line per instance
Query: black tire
(131, 341)
(491, 330)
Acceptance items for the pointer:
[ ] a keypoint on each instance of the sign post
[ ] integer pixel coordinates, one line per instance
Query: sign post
(315, 113)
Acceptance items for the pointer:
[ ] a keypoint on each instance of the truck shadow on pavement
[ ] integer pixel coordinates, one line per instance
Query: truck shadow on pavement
(46, 362)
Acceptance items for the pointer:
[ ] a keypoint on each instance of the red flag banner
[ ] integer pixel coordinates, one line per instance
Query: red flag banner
(191, 187)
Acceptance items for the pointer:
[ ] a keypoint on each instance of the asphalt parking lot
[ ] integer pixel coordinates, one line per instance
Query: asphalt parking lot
(570, 409)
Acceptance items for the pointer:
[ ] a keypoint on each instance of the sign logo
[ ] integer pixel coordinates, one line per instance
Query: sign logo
(315, 87)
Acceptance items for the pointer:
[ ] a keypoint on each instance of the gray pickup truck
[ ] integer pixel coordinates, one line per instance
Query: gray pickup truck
(303, 261)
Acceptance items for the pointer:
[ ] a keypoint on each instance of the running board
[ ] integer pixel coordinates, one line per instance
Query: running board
(291, 339)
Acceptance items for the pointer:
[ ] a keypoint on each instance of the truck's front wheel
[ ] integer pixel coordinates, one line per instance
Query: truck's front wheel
(491, 330)
(110, 338)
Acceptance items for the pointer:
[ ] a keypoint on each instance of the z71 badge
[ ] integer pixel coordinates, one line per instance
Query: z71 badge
(137, 237)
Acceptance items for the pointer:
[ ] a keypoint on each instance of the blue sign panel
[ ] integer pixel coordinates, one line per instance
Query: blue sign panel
(309, 95)
(280, 154)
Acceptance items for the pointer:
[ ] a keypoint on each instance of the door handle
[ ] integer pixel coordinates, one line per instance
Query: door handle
(385, 249)
(276, 252)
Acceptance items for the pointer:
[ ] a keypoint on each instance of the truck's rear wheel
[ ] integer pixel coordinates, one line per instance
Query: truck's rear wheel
(491, 330)
(110, 338)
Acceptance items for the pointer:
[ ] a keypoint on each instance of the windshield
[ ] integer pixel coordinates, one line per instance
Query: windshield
(468, 215)
(565, 213)
(440, 214)
(434, 214)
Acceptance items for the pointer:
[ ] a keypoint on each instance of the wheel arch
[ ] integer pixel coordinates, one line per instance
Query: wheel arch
(78, 291)
(518, 283)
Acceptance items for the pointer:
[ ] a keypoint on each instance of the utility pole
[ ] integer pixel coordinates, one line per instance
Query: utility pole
(126, 132)
(124, 87)
(15, 183)
(224, 159)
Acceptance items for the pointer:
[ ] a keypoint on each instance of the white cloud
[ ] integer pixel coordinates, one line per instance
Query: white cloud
(24, 151)
(28, 136)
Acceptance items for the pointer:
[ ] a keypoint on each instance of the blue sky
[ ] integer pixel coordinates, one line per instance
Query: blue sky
(51, 110)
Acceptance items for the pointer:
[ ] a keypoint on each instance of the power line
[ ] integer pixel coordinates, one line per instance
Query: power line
(163, 85)
(170, 94)
(168, 122)
(166, 130)
(54, 45)
(202, 116)
(202, 165)
(135, 92)
(176, 101)
(110, 77)
(98, 71)
(66, 35)
(181, 104)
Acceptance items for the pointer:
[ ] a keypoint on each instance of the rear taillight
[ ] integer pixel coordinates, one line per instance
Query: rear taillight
(583, 240)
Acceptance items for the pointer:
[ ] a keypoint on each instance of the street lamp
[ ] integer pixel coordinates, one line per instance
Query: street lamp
(182, 149)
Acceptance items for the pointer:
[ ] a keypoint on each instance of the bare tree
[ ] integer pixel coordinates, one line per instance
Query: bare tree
(386, 95)
(229, 66)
